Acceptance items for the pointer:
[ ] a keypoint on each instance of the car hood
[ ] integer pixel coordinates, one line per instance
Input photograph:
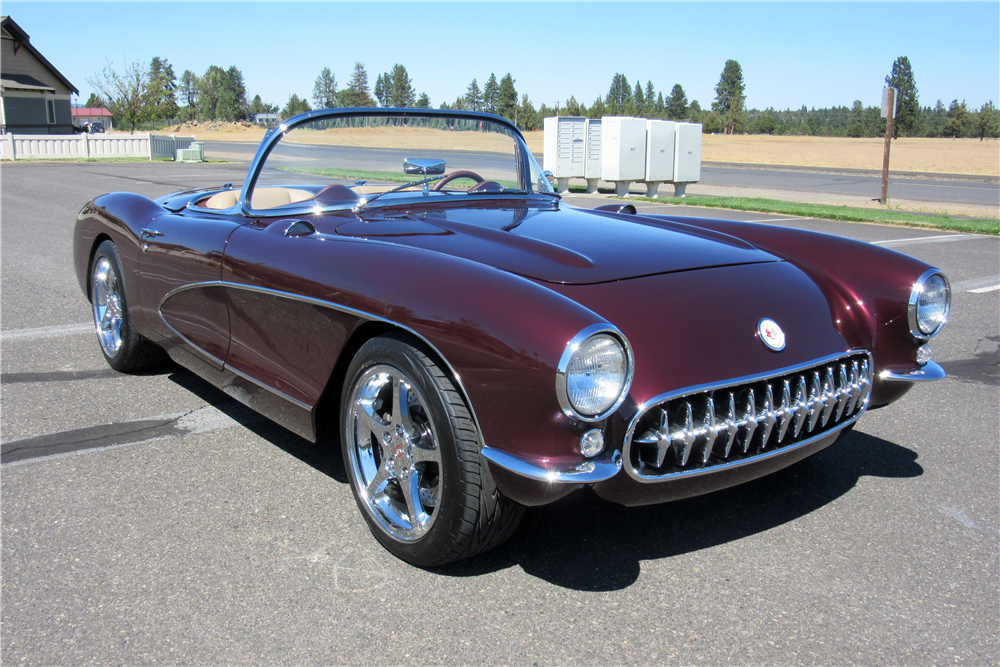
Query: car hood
(558, 244)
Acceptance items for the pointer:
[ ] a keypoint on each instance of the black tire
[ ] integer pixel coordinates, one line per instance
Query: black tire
(123, 347)
(421, 462)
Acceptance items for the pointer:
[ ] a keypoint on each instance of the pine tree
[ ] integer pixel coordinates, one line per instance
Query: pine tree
(295, 106)
(677, 103)
(474, 97)
(907, 122)
(650, 95)
(325, 90)
(162, 87)
(358, 92)
(958, 119)
(400, 88)
(619, 95)
(380, 90)
(424, 101)
(507, 98)
(638, 98)
(491, 92)
(988, 126)
(730, 97)
(94, 102)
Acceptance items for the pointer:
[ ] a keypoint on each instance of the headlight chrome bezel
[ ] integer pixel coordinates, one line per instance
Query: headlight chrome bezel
(913, 305)
(562, 383)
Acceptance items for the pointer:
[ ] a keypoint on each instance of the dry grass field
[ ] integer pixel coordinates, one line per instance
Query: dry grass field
(936, 156)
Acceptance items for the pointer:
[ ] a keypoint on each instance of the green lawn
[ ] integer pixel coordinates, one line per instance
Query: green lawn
(828, 212)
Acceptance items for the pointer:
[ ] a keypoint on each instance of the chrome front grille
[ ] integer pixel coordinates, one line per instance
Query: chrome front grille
(696, 429)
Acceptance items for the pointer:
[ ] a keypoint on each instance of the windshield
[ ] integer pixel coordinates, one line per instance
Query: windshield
(387, 156)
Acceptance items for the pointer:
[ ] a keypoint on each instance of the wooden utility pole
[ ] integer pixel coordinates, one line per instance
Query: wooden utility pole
(888, 111)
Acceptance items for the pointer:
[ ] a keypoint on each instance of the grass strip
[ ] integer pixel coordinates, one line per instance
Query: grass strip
(830, 212)
(389, 176)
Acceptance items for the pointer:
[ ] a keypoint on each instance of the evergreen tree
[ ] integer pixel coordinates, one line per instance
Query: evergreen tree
(295, 106)
(597, 109)
(188, 90)
(359, 95)
(162, 87)
(649, 111)
(424, 101)
(730, 96)
(619, 95)
(257, 106)
(325, 90)
(231, 103)
(958, 119)
(907, 122)
(638, 98)
(572, 107)
(491, 94)
(695, 113)
(677, 103)
(988, 126)
(507, 98)
(94, 102)
(473, 97)
(400, 88)
(380, 90)
(661, 108)
(527, 117)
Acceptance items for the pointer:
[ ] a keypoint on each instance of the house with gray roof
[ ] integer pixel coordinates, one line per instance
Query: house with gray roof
(34, 96)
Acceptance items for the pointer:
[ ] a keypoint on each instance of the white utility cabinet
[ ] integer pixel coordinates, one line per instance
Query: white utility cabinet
(564, 145)
(687, 156)
(660, 139)
(592, 168)
(623, 151)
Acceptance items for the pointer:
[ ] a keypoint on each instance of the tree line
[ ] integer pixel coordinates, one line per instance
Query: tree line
(137, 94)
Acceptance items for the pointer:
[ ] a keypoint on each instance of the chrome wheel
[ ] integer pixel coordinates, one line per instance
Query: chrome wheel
(107, 304)
(393, 450)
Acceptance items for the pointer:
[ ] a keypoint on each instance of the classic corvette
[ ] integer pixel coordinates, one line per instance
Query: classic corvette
(408, 283)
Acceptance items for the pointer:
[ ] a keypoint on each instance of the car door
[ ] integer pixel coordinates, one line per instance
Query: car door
(180, 267)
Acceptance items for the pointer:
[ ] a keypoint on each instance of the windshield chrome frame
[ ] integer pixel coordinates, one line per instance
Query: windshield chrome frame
(523, 157)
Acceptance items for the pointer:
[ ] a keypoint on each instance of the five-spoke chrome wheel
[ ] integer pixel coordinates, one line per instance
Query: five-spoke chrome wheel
(412, 452)
(107, 304)
(394, 452)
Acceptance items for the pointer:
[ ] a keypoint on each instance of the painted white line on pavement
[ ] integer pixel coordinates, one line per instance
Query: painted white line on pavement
(48, 332)
(945, 238)
(977, 285)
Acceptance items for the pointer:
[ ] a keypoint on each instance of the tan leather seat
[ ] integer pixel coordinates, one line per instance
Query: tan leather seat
(263, 198)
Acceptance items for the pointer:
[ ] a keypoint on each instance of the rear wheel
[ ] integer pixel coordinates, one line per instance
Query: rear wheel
(123, 347)
(411, 451)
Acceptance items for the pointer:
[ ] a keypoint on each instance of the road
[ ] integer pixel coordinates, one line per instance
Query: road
(859, 184)
(156, 521)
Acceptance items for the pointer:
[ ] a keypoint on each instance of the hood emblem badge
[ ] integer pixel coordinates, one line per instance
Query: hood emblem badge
(771, 334)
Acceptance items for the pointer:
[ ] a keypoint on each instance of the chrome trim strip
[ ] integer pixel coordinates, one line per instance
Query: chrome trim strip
(929, 371)
(585, 472)
(562, 393)
(276, 392)
(739, 381)
(911, 304)
(456, 378)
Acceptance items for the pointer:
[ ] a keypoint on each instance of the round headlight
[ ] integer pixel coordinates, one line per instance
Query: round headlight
(594, 373)
(929, 305)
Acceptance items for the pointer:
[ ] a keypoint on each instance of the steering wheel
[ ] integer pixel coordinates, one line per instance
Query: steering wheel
(455, 175)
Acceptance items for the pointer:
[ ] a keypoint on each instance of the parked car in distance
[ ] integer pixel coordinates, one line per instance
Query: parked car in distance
(404, 284)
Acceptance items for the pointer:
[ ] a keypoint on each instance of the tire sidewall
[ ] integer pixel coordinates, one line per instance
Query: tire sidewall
(109, 251)
(433, 547)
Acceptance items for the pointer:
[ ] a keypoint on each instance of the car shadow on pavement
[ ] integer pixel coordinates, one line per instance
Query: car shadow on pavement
(323, 456)
(585, 543)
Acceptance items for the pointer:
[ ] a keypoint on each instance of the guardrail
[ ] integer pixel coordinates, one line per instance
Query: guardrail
(69, 146)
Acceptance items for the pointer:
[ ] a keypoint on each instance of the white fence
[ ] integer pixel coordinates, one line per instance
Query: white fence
(58, 146)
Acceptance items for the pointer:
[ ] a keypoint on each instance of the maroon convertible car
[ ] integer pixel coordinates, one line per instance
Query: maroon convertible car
(410, 276)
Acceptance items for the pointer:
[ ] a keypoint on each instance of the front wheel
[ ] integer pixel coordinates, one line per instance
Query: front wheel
(411, 451)
(123, 347)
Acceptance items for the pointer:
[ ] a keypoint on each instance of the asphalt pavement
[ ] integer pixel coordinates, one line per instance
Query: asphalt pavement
(154, 520)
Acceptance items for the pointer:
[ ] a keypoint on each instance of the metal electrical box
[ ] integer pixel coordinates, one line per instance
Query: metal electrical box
(660, 137)
(592, 168)
(564, 145)
(687, 160)
(623, 148)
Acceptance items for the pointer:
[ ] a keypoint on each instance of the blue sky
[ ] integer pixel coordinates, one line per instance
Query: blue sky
(792, 53)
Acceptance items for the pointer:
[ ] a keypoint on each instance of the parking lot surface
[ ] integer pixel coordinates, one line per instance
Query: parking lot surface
(151, 519)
